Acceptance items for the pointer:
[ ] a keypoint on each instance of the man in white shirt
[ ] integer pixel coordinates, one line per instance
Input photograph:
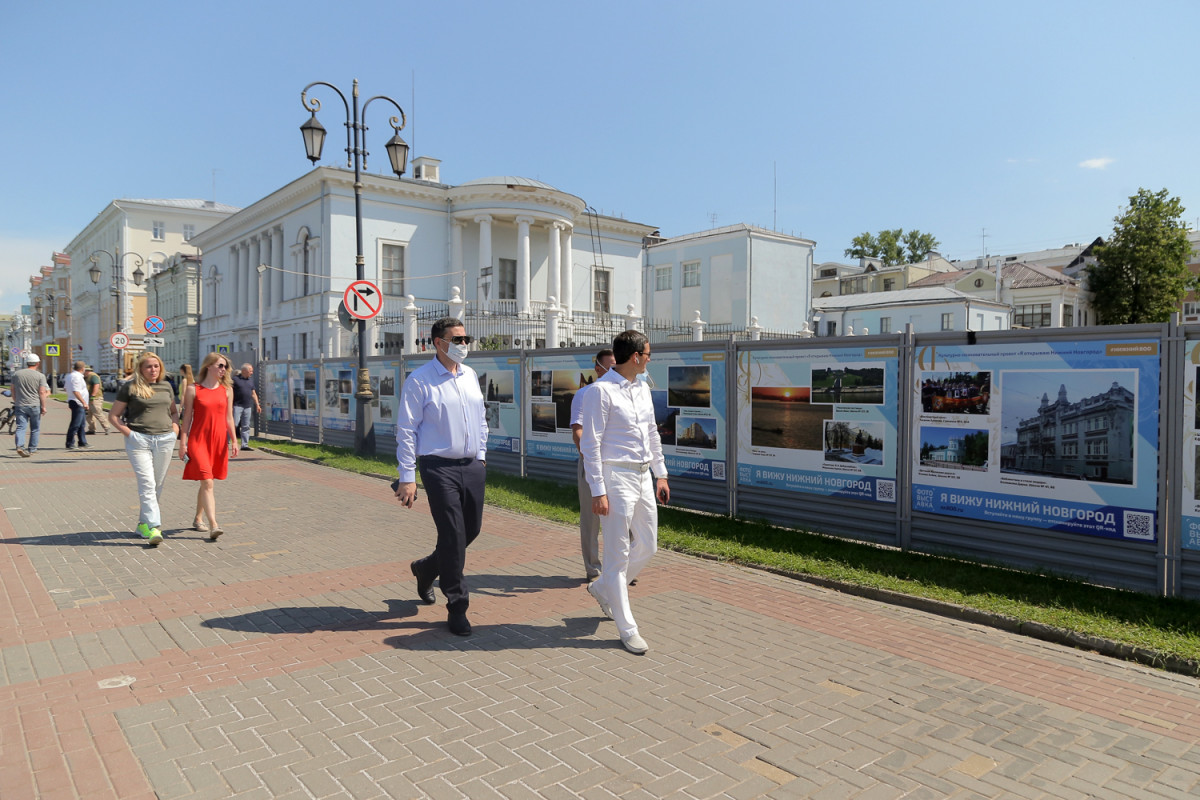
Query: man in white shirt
(75, 385)
(621, 454)
(589, 521)
(441, 428)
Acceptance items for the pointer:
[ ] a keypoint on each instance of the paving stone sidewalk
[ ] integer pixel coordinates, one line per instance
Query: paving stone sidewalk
(292, 659)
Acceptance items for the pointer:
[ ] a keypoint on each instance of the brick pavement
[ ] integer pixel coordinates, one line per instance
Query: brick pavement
(291, 659)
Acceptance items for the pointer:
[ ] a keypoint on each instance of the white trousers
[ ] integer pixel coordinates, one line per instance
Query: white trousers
(630, 539)
(150, 454)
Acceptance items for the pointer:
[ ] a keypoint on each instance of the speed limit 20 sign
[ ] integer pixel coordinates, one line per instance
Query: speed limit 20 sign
(119, 340)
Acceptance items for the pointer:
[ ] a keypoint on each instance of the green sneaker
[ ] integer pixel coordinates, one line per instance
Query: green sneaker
(155, 537)
(143, 530)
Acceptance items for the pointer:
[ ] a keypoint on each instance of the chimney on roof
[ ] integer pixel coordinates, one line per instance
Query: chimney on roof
(425, 168)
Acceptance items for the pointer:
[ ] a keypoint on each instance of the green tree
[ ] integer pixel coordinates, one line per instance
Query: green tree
(1141, 273)
(894, 246)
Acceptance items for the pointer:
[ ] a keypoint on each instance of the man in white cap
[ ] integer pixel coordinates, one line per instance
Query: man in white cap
(29, 394)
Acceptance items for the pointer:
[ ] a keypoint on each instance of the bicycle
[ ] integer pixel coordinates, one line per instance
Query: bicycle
(8, 420)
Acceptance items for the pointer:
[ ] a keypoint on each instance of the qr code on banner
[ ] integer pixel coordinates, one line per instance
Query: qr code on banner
(718, 470)
(885, 491)
(1139, 525)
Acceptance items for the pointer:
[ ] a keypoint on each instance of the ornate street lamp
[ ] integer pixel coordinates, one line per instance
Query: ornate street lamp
(356, 156)
(118, 287)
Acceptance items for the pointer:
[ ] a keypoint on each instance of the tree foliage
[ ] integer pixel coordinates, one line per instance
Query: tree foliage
(894, 246)
(1141, 273)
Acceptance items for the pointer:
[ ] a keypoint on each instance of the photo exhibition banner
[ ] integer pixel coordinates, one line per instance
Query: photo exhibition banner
(385, 385)
(1060, 436)
(337, 395)
(821, 421)
(688, 390)
(1190, 513)
(303, 379)
(499, 378)
(275, 401)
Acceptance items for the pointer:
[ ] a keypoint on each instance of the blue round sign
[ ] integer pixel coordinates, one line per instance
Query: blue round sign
(154, 324)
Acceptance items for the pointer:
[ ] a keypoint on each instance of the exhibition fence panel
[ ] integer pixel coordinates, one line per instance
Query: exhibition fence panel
(1075, 451)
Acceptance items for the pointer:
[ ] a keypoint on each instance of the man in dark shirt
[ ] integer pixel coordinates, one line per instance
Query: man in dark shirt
(245, 403)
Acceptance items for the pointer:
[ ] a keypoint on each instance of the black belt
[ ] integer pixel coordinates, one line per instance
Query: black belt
(462, 462)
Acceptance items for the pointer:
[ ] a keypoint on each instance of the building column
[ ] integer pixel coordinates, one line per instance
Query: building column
(230, 279)
(565, 299)
(456, 249)
(264, 255)
(277, 274)
(554, 270)
(255, 260)
(244, 283)
(523, 223)
(485, 244)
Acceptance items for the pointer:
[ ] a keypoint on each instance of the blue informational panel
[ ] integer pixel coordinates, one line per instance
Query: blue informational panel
(385, 385)
(690, 408)
(500, 382)
(1061, 436)
(821, 421)
(1190, 499)
(303, 380)
(337, 395)
(553, 382)
(275, 401)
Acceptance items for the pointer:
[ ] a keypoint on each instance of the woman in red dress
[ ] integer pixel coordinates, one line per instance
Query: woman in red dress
(209, 438)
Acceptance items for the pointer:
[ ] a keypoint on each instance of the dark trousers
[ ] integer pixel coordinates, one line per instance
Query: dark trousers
(455, 489)
(77, 426)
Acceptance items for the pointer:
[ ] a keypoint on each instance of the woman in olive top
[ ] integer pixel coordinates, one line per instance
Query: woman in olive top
(146, 413)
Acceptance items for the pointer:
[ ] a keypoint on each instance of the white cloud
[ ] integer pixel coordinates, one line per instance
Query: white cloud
(1096, 163)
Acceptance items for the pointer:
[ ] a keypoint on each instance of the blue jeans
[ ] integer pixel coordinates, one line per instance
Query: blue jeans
(243, 418)
(28, 418)
(78, 424)
(150, 455)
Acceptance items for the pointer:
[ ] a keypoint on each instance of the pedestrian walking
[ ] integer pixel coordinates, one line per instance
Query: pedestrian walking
(146, 414)
(209, 438)
(75, 385)
(441, 428)
(95, 411)
(245, 403)
(186, 379)
(589, 521)
(622, 453)
(29, 394)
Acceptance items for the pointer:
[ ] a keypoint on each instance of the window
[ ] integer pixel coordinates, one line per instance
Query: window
(506, 281)
(948, 321)
(1036, 315)
(662, 279)
(304, 345)
(156, 267)
(1097, 447)
(831, 328)
(1096, 424)
(189, 230)
(160, 230)
(829, 273)
(392, 270)
(1068, 319)
(853, 285)
(1070, 449)
(691, 274)
(885, 324)
(889, 284)
(601, 284)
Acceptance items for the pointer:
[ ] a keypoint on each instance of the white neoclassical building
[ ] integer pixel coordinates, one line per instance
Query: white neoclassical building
(501, 250)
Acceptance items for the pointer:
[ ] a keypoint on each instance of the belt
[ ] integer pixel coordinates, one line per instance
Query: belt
(632, 466)
(441, 460)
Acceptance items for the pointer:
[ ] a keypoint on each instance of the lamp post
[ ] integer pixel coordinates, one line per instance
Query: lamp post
(356, 156)
(118, 287)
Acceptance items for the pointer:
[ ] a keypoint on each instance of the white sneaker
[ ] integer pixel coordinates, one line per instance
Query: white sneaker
(605, 607)
(635, 644)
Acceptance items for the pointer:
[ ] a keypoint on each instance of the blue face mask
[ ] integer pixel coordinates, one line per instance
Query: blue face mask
(647, 379)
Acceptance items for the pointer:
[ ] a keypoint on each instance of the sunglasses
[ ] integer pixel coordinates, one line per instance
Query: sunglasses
(221, 366)
(644, 355)
(460, 339)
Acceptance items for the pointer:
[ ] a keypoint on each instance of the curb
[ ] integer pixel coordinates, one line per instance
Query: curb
(1033, 630)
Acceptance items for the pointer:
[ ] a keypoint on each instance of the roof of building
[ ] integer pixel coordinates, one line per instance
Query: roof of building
(509, 180)
(738, 228)
(1018, 275)
(932, 294)
(185, 203)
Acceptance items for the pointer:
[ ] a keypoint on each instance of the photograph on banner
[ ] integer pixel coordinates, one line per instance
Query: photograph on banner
(338, 385)
(553, 382)
(1060, 436)
(275, 400)
(499, 379)
(385, 385)
(690, 408)
(1190, 497)
(821, 421)
(303, 380)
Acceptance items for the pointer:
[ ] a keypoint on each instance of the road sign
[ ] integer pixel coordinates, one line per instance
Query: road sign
(363, 299)
(51, 349)
(348, 322)
(119, 340)
(223, 349)
(154, 324)
(153, 341)
(16, 351)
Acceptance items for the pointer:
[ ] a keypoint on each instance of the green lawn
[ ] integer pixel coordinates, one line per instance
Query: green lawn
(1169, 626)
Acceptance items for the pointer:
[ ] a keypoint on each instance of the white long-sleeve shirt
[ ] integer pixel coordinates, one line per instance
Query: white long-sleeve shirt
(76, 387)
(618, 426)
(441, 414)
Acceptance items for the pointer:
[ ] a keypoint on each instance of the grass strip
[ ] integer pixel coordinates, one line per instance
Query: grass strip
(1170, 626)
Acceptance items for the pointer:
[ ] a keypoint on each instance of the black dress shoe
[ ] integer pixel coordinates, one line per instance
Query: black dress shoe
(458, 624)
(424, 587)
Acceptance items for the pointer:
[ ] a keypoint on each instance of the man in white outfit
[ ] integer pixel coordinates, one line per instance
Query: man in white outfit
(623, 460)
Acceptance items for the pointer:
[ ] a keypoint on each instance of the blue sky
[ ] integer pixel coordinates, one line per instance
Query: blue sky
(1033, 120)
